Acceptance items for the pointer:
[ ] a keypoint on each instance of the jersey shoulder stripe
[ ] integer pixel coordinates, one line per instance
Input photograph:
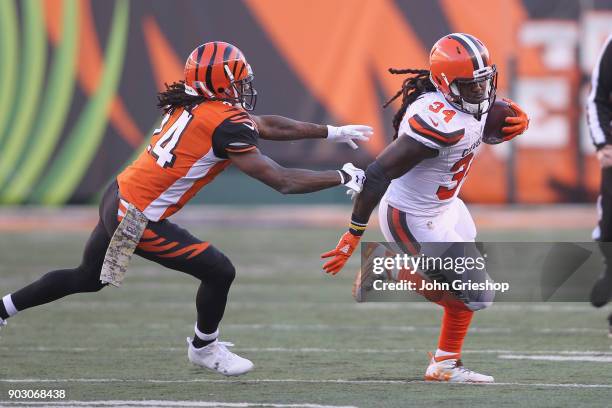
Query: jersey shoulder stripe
(424, 129)
(239, 147)
(242, 117)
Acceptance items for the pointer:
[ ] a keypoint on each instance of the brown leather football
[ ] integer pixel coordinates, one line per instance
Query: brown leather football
(496, 120)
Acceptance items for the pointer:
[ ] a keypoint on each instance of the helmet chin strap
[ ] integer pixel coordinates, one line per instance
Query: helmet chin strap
(476, 108)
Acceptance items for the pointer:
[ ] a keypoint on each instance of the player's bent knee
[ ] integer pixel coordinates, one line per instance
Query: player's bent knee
(480, 293)
(225, 272)
(476, 306)
(480, 299)
(214, 268)
(88, 280)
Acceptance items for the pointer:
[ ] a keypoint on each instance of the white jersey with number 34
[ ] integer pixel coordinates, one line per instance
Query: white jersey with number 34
(432, 185)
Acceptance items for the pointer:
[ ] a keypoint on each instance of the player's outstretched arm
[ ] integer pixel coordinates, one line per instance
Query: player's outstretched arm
(272, 127)
(396, 160)
(295, 181)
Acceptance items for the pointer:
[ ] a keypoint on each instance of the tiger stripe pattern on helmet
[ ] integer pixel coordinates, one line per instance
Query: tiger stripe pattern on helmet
(205, 71)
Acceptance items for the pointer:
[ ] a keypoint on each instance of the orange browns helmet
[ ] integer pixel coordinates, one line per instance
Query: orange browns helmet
(460, 68)
(219, 71)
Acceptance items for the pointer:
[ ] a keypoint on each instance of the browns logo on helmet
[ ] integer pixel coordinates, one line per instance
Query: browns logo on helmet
(219, 71)
(461, 69)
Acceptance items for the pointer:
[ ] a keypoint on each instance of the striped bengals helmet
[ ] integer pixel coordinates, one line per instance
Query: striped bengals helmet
(219, 71)
(460, 68)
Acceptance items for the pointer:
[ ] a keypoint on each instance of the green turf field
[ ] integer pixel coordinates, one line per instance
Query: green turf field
(310, 342)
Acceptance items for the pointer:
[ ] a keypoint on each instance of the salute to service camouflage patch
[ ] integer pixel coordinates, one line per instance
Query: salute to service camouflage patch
(122, 246)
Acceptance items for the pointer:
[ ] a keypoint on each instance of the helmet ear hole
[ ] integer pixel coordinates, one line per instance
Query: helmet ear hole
(221, 90)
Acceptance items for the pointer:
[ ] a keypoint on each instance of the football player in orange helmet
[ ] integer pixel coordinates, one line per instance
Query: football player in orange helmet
(206, 127)
(417, 179)
(227, 77)
(460, 68)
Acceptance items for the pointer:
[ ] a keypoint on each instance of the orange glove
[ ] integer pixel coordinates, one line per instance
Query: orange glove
(343, 251)
(517, 124)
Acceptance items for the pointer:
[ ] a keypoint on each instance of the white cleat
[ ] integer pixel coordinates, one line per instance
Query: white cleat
(2, 323)
(218, 358)
(452, 370)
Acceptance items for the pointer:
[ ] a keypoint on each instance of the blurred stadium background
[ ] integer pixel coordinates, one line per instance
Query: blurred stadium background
(78, 81)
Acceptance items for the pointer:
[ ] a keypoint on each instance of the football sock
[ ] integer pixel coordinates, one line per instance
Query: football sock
(202, 340)
(3, 313)
(210, 303)
(442, 353)
(455, 324)
(199, 343)
(7, 308)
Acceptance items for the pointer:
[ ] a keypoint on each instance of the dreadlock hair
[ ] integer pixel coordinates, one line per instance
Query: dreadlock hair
(175, 97)
(412, 87)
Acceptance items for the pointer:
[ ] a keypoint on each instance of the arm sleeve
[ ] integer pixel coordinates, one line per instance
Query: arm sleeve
(599, 102)
(236, 134)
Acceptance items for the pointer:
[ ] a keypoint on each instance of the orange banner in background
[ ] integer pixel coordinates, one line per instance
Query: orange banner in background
(340, 48)
(327, 61)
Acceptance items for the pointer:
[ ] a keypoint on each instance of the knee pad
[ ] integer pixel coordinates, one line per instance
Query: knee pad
(476, 306)
(471, 277)
(478, 299)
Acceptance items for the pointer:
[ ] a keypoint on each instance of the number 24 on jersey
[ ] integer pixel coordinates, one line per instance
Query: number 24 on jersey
(163, 150)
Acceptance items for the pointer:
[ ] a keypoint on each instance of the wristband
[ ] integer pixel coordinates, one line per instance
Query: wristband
(344, 176)
(357, 228)
(331, 131)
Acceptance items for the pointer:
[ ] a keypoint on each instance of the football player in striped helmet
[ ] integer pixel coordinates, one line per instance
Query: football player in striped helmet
(206, 127)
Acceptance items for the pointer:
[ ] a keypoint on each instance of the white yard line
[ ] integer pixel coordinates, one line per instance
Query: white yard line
(500, 306)
(557, 357)
(165, 403)
(361, 328)
(307, 350)
(568, 330)
(284, 381)
(340, 327)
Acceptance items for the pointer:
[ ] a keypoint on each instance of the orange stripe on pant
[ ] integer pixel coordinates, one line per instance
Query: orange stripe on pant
(154, 246)
(196, 248)
(401, 233)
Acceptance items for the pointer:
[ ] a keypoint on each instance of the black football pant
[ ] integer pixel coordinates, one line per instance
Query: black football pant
(605, 221)
(162, 242)
(605, 228)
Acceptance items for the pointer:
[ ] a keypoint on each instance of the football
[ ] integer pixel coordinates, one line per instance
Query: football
(496, 120)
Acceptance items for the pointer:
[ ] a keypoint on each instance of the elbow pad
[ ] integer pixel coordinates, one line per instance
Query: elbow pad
(376, 179)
